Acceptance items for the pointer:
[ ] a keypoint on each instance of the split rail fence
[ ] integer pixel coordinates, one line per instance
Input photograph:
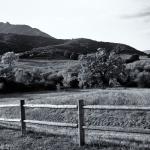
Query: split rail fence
(80, 125)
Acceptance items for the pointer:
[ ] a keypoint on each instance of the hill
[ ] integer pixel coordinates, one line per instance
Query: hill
(77, 47)
(33, 43)
(147, 51)
(21, 30)
(22, 43)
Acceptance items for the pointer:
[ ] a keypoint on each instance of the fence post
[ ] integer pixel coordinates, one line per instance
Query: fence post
(23, 124)
(81, 123)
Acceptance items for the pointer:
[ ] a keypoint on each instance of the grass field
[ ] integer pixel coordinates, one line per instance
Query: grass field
(45, 65)
(92, 97)
(125, 119)
(12, 140)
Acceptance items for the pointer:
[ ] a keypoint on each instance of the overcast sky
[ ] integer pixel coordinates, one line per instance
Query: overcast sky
(124, 21)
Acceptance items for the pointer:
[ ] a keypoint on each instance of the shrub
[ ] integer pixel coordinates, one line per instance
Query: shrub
(147, 68)
(55, 78)
(139, 74)
(23, 76)
(143, 79)
(67, 54)
(70, 76)
(74, 56)
(70, 80)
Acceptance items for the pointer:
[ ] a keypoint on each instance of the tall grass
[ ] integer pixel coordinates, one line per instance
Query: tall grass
(125, 119)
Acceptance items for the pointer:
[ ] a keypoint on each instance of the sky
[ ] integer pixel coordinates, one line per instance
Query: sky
(121, 21)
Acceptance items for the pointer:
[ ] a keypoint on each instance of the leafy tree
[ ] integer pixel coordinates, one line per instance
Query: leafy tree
(97, 70)
(9, 58)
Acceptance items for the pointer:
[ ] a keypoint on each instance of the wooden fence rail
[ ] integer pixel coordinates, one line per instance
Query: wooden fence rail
(51, 106)
(80, 125)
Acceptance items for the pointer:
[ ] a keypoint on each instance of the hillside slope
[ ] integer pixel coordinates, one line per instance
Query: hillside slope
(79, 46)
(22, 43)
(147, 51)
(21, 30)
(33, 43)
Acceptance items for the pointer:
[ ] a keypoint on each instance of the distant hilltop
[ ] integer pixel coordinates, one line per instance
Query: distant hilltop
(33, 43)
(21, 30)
(147, 51)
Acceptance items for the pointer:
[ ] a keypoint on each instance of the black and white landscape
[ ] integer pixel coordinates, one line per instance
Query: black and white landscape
(74, 75)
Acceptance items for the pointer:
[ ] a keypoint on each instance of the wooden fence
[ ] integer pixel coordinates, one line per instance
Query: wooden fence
(80, 125)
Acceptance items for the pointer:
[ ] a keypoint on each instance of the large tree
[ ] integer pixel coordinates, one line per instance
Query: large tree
(9, 59)
(101, 69)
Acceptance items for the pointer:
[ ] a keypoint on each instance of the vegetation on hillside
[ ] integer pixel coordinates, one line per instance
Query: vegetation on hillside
(22, 43)
(78, 46)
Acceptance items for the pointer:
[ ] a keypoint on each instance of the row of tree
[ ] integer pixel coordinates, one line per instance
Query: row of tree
(101, 69)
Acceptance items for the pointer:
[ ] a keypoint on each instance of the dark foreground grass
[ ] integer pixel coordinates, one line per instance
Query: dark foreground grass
(12, 140)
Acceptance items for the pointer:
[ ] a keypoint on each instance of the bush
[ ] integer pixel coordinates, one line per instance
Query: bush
(67, 54)
(74, 56)
(139, 74)
(55, 78)
(143, 79)
(70, 80)
(147, 68)
(70, 76)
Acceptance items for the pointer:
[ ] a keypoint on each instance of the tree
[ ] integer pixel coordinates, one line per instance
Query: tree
(99, 69)
(9, 58)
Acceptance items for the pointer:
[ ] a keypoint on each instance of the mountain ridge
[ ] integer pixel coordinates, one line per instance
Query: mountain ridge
(78, 47)
(33, 43)
(21, 43)
(21, 30)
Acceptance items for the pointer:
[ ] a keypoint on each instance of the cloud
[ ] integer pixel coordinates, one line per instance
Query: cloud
(143, 14)
(140, 11)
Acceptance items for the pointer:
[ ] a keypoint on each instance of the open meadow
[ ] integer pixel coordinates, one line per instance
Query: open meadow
(120, 96)
(45, 65)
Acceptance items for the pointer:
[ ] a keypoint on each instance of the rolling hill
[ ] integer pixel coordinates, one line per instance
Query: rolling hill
(21, 30)
(21, 43)
(33, 43)
(79, 46)
(147, 51)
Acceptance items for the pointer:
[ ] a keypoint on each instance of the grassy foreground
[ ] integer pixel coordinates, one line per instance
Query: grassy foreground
(12, 140)
(125, 119)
